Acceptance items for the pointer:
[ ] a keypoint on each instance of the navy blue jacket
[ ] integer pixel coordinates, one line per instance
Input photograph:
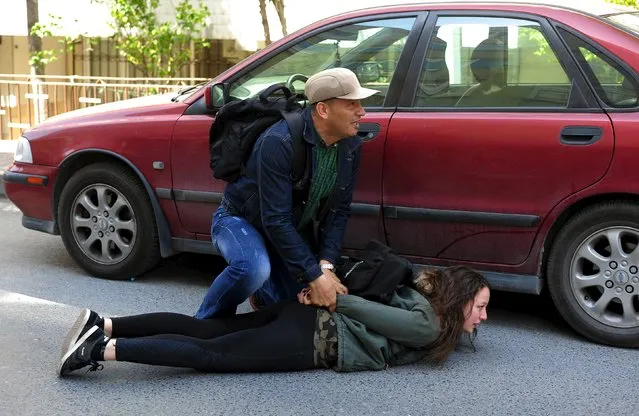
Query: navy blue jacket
(264, 196)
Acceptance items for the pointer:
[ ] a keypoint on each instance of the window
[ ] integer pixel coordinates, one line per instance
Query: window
(491, 62)
(628, 21)
(613, 84)
(370, 49)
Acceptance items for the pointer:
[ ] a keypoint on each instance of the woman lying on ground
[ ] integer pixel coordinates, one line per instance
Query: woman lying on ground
(424, 321)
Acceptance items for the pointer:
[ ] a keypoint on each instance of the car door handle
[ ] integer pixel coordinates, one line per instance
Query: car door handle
(580, 135)
(368, 131)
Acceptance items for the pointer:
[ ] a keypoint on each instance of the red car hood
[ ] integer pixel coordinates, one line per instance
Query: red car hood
(142, 106)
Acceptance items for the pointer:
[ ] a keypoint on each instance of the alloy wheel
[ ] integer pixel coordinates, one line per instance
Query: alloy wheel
(604, 276)
(103, 224)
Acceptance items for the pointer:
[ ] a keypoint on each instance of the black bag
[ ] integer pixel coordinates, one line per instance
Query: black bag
(375, 273)
(238, 124)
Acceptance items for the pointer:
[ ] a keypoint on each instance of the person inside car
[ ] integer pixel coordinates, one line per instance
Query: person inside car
(423, 320)
(275, 245)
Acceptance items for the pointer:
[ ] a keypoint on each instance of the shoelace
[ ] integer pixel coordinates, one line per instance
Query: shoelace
(95, 366)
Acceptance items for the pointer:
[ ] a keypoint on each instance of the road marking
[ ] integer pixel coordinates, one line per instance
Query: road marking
(8, 207)
(13, 298)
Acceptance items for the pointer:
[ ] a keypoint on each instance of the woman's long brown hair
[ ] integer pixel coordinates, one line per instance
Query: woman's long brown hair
(448, 291)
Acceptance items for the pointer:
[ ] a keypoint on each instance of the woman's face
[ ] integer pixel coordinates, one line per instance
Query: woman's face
(475, 310)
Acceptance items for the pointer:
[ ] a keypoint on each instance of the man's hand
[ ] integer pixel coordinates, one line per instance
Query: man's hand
(323, 292)
(339, 287)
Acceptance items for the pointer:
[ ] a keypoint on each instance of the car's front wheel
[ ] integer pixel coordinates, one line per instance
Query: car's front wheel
(593, 273)
(106, 222)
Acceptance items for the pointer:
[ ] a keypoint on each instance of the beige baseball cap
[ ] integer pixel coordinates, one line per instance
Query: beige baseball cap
(335, 83)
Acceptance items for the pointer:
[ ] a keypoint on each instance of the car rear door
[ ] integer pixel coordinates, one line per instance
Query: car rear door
(495, 127)
(377, 48)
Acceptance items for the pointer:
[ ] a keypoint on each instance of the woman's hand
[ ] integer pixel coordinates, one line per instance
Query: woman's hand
(304, 297)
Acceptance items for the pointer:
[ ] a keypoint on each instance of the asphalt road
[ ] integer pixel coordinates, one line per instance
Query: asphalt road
(527, 361)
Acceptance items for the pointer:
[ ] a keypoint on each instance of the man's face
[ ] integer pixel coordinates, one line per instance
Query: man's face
(343, 117)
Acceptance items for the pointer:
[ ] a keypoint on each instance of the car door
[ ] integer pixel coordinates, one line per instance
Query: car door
(494, 128)
(378, 49)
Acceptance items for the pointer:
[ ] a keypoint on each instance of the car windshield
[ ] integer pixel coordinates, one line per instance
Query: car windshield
(364, 46)
(629, 21)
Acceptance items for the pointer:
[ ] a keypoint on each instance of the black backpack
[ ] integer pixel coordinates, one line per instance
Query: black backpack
(375, 273)
(238, 124)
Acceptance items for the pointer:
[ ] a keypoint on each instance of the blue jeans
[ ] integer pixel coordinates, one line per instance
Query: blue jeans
(253, 267)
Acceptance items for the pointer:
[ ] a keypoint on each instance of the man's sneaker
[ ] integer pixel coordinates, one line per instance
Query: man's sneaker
(86, 320)
(79, 356)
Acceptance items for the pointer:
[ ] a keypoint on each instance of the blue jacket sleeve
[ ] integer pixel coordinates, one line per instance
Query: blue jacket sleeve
(274, 165)
(332, 244)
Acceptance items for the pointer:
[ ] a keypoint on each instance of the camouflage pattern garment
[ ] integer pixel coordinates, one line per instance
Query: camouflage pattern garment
(325, 340)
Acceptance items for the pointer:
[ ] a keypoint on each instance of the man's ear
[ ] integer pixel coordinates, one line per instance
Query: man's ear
(322, 110)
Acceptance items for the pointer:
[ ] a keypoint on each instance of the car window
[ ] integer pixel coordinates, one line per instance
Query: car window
(628, 21)
(613, 84)
(491, 62)
(370, 49)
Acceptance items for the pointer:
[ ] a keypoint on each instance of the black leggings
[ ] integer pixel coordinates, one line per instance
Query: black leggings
(279, 338)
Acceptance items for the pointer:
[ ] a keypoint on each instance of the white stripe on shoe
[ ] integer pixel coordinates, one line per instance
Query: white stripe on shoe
(75, 347)
(75, 332)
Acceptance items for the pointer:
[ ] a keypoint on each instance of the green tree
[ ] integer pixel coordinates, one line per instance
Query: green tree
(38, 57)
(35, 42)
(157, 49)
(630, 3)
(279, 8)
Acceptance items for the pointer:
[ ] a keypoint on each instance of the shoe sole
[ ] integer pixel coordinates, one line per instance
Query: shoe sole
(75, 332)
(74, 348)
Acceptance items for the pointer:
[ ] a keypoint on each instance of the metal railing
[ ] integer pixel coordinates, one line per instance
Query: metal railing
(101, 80)
(26, 101)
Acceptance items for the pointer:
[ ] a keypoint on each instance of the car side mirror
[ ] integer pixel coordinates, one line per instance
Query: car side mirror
(216, 95)
(368, 72)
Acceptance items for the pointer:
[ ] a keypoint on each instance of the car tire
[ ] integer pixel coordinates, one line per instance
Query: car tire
(593, 273)
(107, 223)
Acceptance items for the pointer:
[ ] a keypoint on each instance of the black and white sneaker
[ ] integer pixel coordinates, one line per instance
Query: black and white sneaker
(86, 320)
(79, 356)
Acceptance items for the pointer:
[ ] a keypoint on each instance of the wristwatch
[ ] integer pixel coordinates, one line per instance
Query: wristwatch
(328, 266)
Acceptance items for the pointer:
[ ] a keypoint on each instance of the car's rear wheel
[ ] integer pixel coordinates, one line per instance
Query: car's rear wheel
(107, 222)
(593, 273)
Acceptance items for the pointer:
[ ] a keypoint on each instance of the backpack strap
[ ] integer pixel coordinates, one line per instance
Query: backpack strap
(273, 89)
(300, 148)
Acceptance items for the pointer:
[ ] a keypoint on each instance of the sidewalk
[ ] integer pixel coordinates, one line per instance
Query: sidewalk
(7, 147)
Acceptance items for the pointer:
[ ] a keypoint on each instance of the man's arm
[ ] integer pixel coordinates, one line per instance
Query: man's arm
(332, 243)
(274, 164)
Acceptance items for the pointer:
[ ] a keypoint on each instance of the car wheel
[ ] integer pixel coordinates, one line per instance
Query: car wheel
(107, 223)
(593, 273)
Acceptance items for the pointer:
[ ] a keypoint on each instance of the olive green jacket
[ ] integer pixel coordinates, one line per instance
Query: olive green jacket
(372, 336)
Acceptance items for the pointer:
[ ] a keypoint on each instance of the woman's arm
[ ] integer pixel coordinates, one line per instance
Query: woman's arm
(414, 328)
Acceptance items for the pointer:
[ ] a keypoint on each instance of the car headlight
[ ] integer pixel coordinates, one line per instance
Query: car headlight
(23, 151)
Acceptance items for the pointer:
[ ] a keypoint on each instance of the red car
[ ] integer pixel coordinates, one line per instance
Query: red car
(505, 137)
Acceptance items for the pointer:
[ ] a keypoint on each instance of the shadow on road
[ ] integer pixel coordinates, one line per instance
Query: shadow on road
(528, 312)
(189, 268)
